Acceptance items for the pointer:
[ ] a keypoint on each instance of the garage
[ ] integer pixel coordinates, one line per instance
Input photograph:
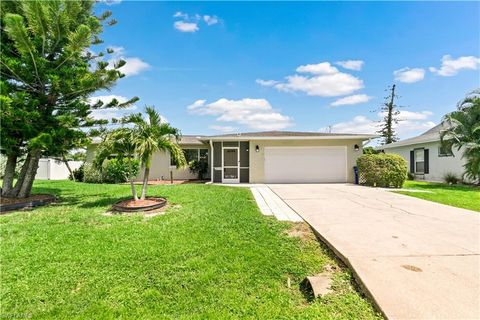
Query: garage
(305, 164)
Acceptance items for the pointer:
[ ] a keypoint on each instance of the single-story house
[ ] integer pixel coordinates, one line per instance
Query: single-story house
(427, 158)
(265, 157)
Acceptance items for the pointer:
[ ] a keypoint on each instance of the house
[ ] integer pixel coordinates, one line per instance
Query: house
(265, 157)
(54, 169)
(427, 158)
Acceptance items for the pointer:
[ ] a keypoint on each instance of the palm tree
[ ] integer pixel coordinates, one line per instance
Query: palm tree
(463, 132)
(119, 142)
(151, 135)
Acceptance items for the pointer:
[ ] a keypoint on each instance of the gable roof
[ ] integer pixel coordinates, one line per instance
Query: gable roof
(430, 135)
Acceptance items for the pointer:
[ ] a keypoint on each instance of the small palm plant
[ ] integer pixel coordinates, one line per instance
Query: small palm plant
(463, 132)
(151, 135)
(119, 142)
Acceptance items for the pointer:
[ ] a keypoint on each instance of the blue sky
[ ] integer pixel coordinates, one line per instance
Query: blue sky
(215, 67)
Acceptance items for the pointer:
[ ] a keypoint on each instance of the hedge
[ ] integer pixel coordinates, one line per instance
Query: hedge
(382, 170)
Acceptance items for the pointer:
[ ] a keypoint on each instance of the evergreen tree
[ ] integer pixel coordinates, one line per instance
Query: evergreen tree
(47, 74)
(390, 118)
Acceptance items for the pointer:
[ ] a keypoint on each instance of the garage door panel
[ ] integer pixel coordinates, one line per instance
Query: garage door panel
(305, 164)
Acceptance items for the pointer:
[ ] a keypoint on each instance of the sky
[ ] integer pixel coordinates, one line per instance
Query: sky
(223, 67)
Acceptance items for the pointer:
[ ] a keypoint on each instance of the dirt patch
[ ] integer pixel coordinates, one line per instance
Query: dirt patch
(302, 231)
(146, 214)
(130, 203)
(411, 268)
(13, 204)
(4, 200)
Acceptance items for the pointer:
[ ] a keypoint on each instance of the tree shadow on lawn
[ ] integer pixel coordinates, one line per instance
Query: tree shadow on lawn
(70, 198)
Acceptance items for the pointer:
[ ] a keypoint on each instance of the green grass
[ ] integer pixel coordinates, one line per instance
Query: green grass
(462, 196)
(211, 256)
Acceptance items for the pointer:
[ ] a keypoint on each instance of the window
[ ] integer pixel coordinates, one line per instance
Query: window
(419, 161)
(192, 154)
(445, 150)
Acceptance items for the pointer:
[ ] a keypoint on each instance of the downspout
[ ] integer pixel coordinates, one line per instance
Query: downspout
(211, 161)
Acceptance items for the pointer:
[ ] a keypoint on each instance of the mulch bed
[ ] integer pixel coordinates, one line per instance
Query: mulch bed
(130, 205)
(10, 204)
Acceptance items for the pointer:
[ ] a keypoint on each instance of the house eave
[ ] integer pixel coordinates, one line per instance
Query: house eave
(256, 138)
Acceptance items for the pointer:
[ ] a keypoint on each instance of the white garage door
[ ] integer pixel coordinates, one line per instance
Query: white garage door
(305, 164)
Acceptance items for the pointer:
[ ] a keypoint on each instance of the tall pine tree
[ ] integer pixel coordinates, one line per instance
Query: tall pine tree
(47, 74)
(390, 118)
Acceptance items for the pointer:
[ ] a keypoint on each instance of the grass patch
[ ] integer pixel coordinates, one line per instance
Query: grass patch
(461, 196)
(211, 255)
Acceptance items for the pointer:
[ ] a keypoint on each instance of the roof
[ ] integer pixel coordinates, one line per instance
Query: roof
(289, 135)
(185, 139)
(267, 135)
(430, 135)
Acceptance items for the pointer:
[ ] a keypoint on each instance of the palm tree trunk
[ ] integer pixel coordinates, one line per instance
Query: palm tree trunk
(68, 167)
(145, 182)
(130, 177)
(9, 173)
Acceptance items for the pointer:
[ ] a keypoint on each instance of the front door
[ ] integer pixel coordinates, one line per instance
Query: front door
(231, 167)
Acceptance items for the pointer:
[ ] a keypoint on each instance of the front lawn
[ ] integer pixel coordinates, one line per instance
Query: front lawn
(462, 196)
(212, 255)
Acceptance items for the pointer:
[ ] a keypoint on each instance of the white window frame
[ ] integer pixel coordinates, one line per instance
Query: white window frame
(198, 155)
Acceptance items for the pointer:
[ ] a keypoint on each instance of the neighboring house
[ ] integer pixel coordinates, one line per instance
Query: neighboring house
(265, 157)
(427, 158)
(53, 169)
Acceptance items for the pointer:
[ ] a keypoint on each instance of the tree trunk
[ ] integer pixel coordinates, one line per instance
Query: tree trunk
(68, 166)
(9, 174)
(145, 182)
(21, 177)
(26, 187)
(130, 177)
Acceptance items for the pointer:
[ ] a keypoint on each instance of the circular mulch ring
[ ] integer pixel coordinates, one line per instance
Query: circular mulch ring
(149, 204)
(36, 200)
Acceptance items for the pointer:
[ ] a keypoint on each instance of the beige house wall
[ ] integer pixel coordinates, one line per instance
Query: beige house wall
(160, 168)
(257, 159)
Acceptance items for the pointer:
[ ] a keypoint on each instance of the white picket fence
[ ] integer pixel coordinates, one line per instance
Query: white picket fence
(53, 169)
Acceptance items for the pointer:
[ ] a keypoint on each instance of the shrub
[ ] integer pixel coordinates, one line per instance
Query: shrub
(92, 174)
(78, 174)
(410, 176)
(198, 167)
(116, 170)
(370, 150)
(382, 170)
(450, 178)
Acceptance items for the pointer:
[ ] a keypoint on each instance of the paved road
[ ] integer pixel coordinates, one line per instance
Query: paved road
(417, 259)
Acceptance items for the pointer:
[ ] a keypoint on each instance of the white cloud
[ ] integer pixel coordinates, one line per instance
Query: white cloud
(190, 23)
(323, 80)
(109, 113)
(183, 26)
(354, 99)
(225, 129)
(210, 20)
(412, 123)
(111, 2)
(408, 75)
(266, 83)
(330, 85)
(351, 64)
(133, 66)
(180, 14)
(451, 67)
(256, 114)
(319, 68)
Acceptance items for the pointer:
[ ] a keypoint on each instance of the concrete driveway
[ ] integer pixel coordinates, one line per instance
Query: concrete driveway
(416, 259)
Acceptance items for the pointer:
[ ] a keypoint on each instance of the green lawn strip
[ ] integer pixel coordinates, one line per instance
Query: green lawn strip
(211, 255)
(462, 196)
